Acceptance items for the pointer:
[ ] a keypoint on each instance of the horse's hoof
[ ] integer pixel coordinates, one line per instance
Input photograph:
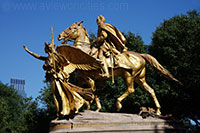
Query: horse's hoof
(158, 112)
(118, 105)
(97, 110)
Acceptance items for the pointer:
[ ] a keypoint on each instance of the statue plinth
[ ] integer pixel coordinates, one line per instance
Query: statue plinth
(90, 121)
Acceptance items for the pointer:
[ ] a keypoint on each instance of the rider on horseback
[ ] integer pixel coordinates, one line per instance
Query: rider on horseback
(110, 42)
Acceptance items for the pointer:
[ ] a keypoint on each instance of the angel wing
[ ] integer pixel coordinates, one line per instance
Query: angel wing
(78, 59)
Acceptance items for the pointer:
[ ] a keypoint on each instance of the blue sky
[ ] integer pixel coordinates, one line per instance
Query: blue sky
(27, 22)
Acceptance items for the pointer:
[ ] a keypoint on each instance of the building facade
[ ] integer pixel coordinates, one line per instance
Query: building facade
(19, 85)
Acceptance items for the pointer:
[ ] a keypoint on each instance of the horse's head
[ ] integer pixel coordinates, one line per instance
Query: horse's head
(71, 33)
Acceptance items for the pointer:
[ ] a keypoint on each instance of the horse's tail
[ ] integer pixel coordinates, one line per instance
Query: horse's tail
(153, 62)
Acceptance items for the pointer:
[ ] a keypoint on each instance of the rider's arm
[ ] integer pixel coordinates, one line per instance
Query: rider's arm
(101, 38)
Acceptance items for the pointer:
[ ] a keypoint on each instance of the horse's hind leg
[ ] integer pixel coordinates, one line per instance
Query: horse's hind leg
(130, 84)
(143, 84)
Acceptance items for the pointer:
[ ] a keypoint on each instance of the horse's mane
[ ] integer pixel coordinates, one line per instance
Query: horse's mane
(86, 33)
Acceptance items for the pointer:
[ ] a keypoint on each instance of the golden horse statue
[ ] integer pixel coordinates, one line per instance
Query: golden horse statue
(131, 65)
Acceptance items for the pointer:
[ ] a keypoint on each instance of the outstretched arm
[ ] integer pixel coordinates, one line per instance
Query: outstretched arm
(34, 54)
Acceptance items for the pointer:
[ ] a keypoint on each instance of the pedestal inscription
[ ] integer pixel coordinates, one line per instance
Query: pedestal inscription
(90, 121)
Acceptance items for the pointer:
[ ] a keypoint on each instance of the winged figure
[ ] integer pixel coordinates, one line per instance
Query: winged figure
(68, 98)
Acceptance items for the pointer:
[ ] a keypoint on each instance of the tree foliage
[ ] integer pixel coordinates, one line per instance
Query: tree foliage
(46, 99)
(175, 44)
(11, 110)
(135, 43)
(23, 115)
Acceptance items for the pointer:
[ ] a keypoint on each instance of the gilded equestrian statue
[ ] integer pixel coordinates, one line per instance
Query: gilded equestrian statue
(130, 65)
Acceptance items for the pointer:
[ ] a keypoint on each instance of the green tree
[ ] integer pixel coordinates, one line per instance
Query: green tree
(92, 37)
(175, 44)
(23, 115)
(11, 111)
(38, 118)
(46, 98)
(31, 114)
(134, 42)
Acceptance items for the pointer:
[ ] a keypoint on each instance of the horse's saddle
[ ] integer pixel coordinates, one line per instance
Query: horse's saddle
(115, 60)
(120, 60)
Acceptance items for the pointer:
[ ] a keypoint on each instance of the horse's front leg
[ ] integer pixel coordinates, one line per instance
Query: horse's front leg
(130, 84)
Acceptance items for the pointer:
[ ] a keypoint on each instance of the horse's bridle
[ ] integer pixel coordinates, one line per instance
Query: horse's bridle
(69, 34)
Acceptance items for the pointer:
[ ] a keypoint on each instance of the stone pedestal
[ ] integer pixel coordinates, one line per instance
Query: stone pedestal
(90, 121)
